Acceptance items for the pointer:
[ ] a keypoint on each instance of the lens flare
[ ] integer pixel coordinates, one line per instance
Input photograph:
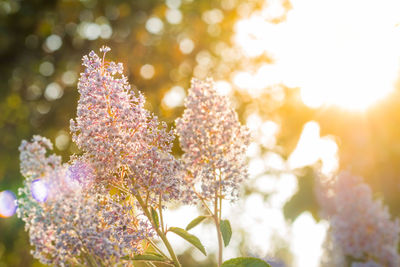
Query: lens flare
(40, 190)
(8, 204)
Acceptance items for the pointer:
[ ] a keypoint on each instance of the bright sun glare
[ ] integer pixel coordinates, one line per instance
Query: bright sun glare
(342, 53)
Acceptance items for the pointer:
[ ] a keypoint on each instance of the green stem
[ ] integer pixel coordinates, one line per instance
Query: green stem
(161, 215)
(160, 233)
(204, 203)
(91, 261)
(217, 226)
(158, 249)
(217, 219)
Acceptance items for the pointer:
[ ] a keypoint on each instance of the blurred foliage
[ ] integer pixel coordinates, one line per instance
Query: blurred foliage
(41, 45)
(304, 199)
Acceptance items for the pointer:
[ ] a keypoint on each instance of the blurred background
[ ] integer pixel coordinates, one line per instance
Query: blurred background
(316, 81)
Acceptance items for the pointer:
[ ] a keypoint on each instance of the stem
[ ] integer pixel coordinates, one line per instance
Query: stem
(220, 197)
(160, 233)
(90, 260)
(158, 249)
(161, 216)
(217, 219)
(202, 201)
(217, 222)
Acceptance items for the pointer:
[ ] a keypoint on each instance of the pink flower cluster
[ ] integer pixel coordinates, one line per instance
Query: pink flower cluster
(121, 139)
(95, 209)
(72, 225)
(34, 162)
(360, 226)
(213, 141)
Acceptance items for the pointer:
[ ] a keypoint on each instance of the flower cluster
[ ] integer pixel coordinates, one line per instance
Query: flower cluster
(121, 139)
(68, 224)
(213, 141)
(360, 226)
(98, 208)
(34, 162)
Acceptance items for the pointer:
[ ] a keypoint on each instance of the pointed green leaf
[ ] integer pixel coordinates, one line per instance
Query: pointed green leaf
(154, 215)
(195, 222)
(146, 257)
(226, 231)
(188, 237)
(245, 262)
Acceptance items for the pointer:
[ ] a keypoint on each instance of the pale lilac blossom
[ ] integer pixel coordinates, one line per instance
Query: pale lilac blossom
(361, 227)
(126, 144)
(82, 172)
(95, 210)
(213, 141)
(75, 225)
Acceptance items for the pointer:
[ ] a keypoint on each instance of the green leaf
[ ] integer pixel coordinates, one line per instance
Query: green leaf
(188, 237)
(154, 215)
(146, 257)
(195, 222)
(245, 262)
(226, 231)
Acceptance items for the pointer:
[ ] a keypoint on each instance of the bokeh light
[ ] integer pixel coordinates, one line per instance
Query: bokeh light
(46, 68)
(173, 3)
(147, 71)
(69, 78)
(186, 45)
(39, 190)
(53, 91)
(174, 97)
(53, 42)
(8, 204)
(154, 25)
(174, 16)
(62, 140)
(223, 87)
(312, 148)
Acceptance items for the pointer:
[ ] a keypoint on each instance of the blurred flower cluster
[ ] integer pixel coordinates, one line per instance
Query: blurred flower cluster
(361, 228)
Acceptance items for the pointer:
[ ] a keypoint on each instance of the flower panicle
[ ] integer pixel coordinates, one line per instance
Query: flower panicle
(75, 220)
(214, 142)
(361, 226)
(116, 133)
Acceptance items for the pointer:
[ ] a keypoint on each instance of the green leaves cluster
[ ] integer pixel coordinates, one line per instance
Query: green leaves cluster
(226, 232)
